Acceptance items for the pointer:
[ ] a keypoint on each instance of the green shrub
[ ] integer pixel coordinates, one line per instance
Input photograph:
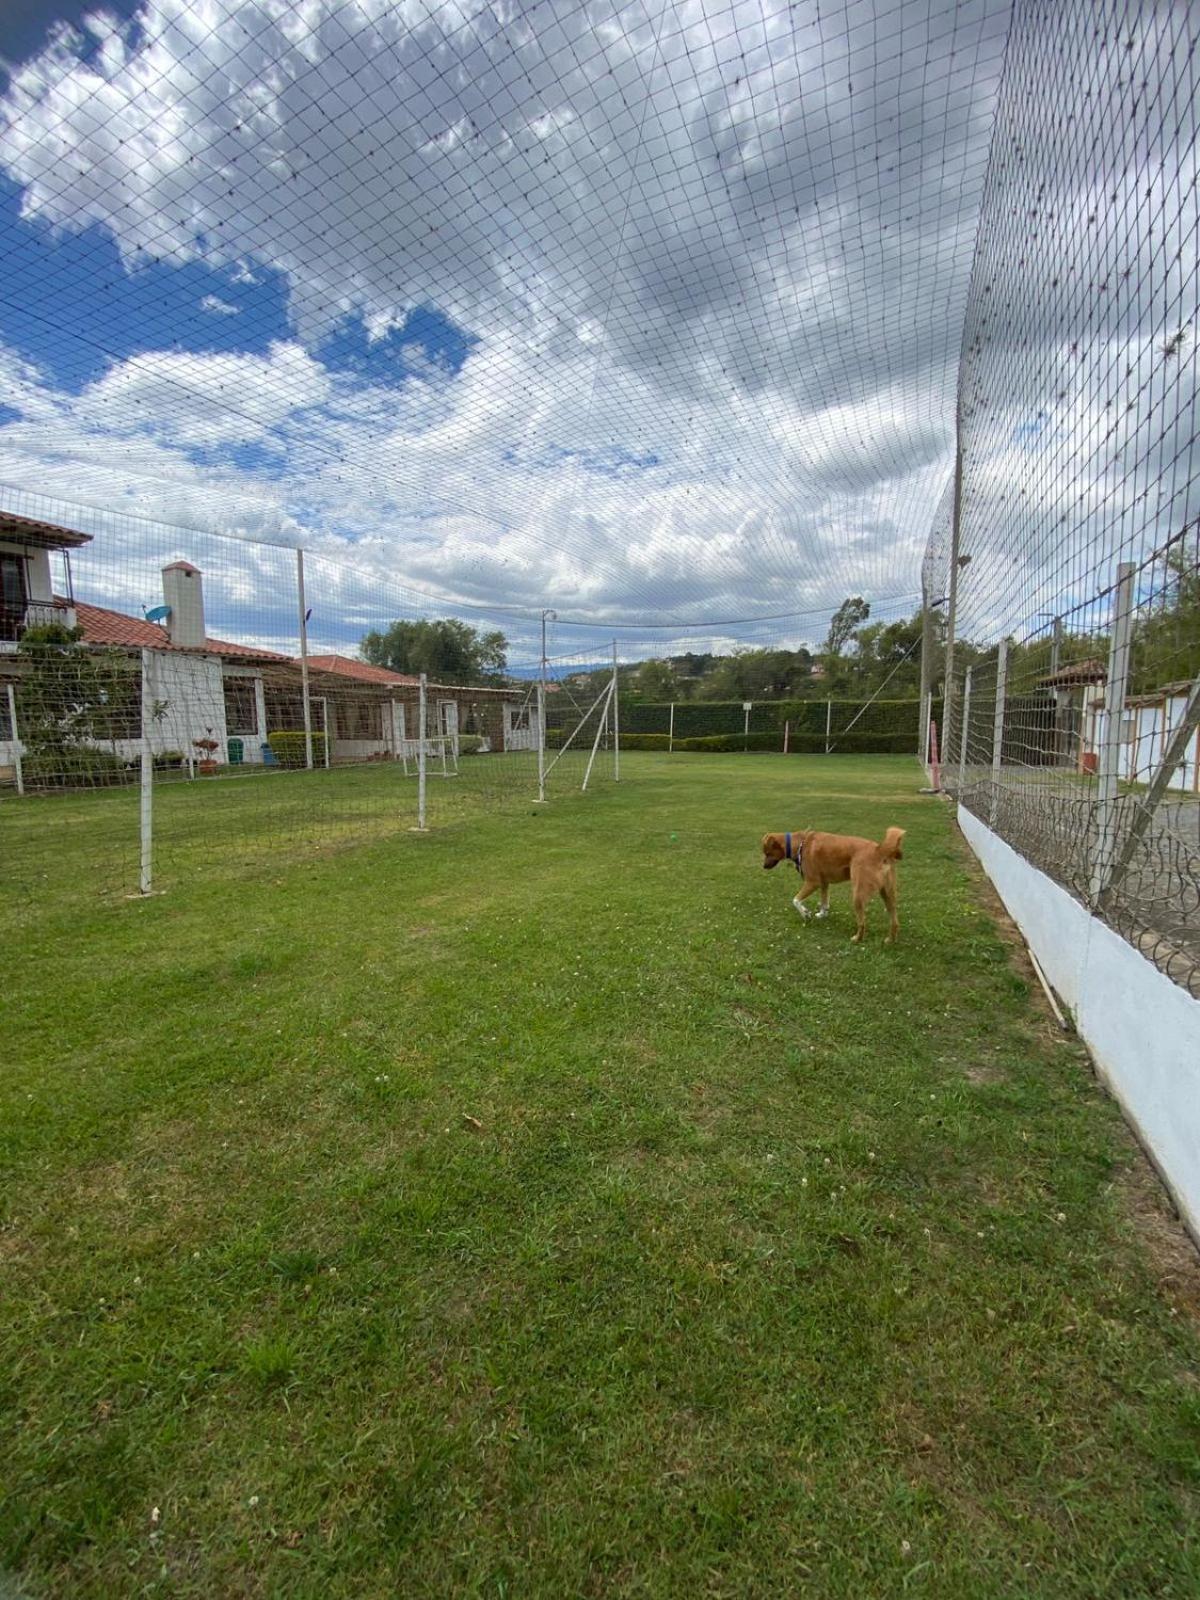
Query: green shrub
(77, 767)
(853, 743)
(470, 744)
(645, 741)
(167, 760)
(288, 748)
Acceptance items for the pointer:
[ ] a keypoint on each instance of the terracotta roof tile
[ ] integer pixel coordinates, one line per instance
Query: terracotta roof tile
(102, 626)
(344, 667)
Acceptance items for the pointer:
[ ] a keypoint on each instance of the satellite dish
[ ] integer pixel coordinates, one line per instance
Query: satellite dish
(158, 614)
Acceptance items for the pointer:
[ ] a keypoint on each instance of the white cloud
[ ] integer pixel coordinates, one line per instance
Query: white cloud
(715, 275)
(218, 307)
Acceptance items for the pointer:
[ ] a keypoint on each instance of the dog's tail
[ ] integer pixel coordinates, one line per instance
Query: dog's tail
(890, 848)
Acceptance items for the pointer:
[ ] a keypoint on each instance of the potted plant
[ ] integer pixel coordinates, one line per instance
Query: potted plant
(206, 747)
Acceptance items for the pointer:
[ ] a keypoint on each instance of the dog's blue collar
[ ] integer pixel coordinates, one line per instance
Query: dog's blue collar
(787, 851)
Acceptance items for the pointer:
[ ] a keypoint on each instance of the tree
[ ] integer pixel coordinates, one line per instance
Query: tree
(655, 681)
(1166, 643)
(851, 614)
(448, 650)
(69, 697)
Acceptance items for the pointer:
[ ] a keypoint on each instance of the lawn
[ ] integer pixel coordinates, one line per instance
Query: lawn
(537, 1208)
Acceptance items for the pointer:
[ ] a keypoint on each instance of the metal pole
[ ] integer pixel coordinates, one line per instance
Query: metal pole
(746, 729)
(600, 727)
(616, 719)
(966, 730)
(421, 755)
(325, 727)
(787, 728)
(145, 878)
(955, 551)
(926, 675)
(828, 723)
(1108, 791)
(570, 739)
(16, 740)
(670, 732)
(998, 728)
(1060, 695)
(308, 753)
(541, 716)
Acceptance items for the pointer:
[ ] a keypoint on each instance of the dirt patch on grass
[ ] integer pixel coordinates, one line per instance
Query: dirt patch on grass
(1173, 1257)
(980, 1075)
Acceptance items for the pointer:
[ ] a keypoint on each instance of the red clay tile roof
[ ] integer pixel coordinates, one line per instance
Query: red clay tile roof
(102, 626)
(42, 535)
(346, 668)
(1080, 672)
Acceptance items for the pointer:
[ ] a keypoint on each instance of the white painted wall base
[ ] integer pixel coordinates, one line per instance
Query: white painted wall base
(1142, 1029)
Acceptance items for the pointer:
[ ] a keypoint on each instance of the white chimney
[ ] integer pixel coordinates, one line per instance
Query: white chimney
(183, 591)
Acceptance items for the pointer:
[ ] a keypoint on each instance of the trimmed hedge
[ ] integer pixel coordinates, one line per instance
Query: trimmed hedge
(645, 741)
(854, 743)
(288, 748)
(78, 768)
(470, 744)
(702, 719)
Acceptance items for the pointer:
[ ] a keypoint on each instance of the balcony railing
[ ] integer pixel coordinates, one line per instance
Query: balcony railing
(37, 614)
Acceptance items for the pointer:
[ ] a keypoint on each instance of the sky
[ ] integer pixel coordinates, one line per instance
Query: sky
(648, 313)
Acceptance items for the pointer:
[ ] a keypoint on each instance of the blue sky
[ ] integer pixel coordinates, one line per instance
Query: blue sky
(601, 308)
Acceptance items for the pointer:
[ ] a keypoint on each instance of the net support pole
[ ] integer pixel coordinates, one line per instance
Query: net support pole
(601, 725)
(955, 564)
(325, 726)
(670, 729)
(146, 819)
(998, 728)
(308, 743)
(828, 723)
(422, 712)
(926, 719)
(1108, 793)
(966, 724)
(616, 719)
(1060, 695)
(18, 769)
(541, 716)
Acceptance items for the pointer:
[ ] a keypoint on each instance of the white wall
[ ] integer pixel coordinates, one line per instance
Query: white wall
(1153, 725)
(1143, 1030)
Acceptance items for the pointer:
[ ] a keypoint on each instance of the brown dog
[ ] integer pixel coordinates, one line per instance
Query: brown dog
(825, 858)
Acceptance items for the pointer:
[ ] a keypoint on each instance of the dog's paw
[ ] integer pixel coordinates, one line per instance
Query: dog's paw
(802, 909)
(823, 912)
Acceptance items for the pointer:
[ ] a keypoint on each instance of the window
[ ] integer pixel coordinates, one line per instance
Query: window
(518, 719)
(360, 719)
(285, 712)
(13, 595)
(241, 706)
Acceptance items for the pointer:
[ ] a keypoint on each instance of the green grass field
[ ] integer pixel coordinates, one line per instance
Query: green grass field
(538, 1208)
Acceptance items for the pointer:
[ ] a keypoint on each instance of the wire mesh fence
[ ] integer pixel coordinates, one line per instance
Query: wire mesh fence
(1062, 575)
